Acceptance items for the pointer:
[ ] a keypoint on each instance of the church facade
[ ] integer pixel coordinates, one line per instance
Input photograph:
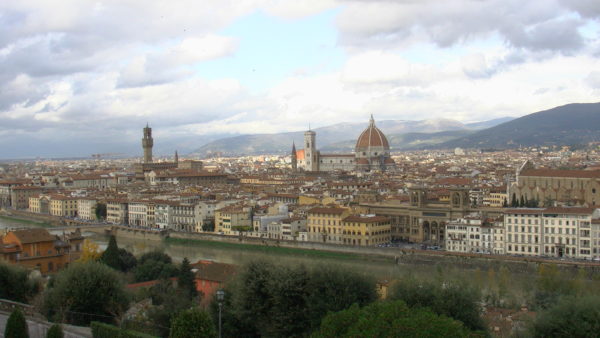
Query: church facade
(371, 153)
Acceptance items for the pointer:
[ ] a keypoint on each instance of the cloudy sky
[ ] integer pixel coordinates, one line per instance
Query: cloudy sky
(79, 77)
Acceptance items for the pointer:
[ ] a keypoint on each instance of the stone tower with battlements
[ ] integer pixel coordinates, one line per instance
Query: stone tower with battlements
(147, 143)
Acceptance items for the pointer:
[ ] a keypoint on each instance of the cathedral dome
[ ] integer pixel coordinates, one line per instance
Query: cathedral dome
(372, 137)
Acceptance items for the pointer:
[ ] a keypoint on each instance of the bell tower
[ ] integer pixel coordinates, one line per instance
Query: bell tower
(147, 143)
(311, 159)
(294, 158)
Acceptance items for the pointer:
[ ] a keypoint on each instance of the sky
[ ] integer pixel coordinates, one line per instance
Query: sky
(79, 77)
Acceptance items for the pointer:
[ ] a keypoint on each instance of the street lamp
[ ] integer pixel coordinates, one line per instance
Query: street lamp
(220, 298)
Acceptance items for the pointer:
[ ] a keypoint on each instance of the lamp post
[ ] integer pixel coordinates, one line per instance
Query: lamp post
(220, 298)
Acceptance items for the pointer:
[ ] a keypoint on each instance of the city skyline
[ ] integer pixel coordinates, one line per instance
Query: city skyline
(84, 77)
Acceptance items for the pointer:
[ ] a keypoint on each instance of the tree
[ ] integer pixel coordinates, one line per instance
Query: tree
(127, 259)
(266, 299)
(513, 202)
(84, 292)
(389, 319)
(570, 317)
(192, 323)
(55, 331)
(522, 202)
(458, 301)
(167, 303)
(111, 256)
(186, 280)
(16, 326)
(101, 211)
(89, 252)
(15, 283)
(154, 265)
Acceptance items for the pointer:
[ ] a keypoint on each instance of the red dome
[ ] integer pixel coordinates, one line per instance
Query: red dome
(372, 137)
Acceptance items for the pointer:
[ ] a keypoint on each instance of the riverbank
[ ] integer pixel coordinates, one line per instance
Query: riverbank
(273, 249)
(20, 220)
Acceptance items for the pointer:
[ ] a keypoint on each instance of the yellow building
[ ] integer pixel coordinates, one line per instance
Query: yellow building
(232, 217)
(63, 206)
(325, 224)
(366, 230)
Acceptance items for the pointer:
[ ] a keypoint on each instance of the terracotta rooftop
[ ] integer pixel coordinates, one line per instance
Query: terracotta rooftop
(328, 211)
(33, 235)
(561, 173)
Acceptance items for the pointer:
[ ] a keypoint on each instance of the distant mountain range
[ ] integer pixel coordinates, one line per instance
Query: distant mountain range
(571, 124)
(340, 137)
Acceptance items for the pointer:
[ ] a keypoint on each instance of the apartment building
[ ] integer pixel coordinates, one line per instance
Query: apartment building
(366, 230)
(325, 224)
(117, 211)
(555, 232)
(229, 219)
(86, 208)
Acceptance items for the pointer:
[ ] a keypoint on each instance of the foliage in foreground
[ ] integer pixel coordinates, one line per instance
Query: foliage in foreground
(118, 258)
(85, 292)
(15, 283)
(457, 301)
(16, 326)
(279, 301)
(55, 331)
(103, 330)
(389, 319)
(154, 265)
(192, 323)
(571, 317)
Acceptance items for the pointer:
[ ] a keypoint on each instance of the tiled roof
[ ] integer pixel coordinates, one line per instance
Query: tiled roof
(561, 173)
(33, 235)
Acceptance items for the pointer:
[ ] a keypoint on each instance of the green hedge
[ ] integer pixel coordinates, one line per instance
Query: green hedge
(102, 330)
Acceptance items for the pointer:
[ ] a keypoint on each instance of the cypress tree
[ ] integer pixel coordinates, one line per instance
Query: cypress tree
(111, 255)
(186, 280)
(16, 326)
(513, 202)
(522, 202)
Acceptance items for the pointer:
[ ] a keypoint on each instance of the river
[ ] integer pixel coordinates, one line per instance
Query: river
(380, 268)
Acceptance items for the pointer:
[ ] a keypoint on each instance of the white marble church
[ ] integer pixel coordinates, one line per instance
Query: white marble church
(371, 153)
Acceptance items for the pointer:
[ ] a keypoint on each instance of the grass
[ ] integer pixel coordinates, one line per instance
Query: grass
(268, 249)
(26, 221)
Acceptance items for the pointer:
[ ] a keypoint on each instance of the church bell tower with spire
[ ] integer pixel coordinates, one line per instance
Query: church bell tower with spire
(147, 143)
(294, 158)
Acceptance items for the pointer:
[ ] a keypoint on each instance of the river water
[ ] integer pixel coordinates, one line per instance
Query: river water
(380, 268)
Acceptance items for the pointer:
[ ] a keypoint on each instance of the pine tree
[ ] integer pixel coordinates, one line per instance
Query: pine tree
(111, 256)
(186, 280)
(16, 326)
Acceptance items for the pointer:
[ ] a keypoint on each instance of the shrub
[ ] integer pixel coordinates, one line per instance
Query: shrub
(16, 326)
(55, 331)
(192, 323)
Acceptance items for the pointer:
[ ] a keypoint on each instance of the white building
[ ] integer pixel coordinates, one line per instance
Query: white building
(554, 232)
(86, 208)
(471, 234)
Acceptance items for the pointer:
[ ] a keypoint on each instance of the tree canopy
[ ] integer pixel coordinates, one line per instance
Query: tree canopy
(154, 265)
(15, 283)
(84, 292)
(191, 324)
(266, 299)
(389, 319)
(570, 317)
(458, 301)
